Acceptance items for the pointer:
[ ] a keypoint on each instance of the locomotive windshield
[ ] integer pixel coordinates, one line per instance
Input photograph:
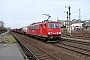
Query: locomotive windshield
(53, 25)
(57, 25)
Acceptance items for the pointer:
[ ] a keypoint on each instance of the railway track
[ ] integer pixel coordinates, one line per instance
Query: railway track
(76, 46)
(54, 50)
(77, 41)
(39, 53)
(78, 35)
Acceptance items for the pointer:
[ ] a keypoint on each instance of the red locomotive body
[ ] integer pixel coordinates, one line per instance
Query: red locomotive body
(45, 30)
(48, 30)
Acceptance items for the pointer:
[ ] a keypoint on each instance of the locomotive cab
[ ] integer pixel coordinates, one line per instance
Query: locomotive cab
(52, 30)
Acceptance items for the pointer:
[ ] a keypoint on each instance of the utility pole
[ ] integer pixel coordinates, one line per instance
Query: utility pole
(79, 16)
(2, 23)
(57, 19)
(69, 20)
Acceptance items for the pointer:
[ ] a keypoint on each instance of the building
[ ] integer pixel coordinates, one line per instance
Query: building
(75, 21)
(77, 26)
(87, 25)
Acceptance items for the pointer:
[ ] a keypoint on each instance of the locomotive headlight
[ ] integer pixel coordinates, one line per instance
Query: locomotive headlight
(59, 32)
(49, 33)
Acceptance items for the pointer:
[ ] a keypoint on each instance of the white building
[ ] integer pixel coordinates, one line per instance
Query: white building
(76, 26)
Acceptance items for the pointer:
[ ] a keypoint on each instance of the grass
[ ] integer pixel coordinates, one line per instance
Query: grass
(10, 39)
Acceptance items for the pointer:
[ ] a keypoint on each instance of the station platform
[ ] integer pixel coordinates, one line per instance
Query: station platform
(10, 52)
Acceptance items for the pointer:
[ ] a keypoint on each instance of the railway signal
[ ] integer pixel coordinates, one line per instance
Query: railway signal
(69, 16)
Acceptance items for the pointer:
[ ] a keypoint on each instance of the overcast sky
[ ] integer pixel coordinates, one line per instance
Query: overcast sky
(20, 13)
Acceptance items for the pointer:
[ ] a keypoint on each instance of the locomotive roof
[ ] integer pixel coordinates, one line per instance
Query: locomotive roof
(45, 21)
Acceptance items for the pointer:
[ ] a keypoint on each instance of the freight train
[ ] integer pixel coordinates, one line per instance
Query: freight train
(46, 30)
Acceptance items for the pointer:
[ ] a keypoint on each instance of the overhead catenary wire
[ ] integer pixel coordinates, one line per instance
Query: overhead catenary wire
(27, 8)
(24, 8)
(26, 4)
(63, 6)
(44, 9)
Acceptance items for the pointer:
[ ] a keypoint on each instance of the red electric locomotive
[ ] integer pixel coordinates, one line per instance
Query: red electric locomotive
(47, 30)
